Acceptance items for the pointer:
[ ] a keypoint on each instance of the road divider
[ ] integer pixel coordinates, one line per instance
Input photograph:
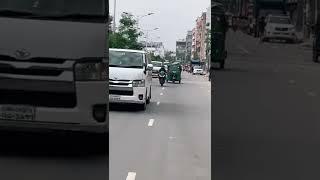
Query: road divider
(131, 176)
(151, 121)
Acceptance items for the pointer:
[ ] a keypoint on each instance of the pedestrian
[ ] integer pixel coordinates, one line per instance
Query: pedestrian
(261, 26)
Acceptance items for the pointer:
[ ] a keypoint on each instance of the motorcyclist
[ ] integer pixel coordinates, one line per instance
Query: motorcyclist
(163, 69)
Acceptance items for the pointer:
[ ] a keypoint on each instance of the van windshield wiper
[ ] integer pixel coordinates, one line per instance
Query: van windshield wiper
(14, 13)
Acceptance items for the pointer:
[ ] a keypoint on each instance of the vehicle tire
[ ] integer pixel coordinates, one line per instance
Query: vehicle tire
(173, 81)
(143, 106)
(180, 82)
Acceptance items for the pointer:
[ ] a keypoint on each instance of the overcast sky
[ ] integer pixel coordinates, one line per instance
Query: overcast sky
(173, 17)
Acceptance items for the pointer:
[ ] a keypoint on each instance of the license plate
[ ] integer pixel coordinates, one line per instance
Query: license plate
(17, 113)
(115, 98)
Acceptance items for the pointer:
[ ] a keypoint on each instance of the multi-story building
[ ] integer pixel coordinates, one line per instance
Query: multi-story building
(202, 37)
(188, 45)
(194, 54)
(181, 50)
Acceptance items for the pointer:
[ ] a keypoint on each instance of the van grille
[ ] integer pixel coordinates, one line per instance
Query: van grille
(35, 60)
(121, 92)
(31, 72)
(38, 99)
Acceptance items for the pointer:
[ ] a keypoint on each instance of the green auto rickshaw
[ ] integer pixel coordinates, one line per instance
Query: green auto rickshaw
(220, 26)
(174, 72)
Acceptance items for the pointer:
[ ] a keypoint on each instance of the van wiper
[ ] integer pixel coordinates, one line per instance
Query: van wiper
(14, 13)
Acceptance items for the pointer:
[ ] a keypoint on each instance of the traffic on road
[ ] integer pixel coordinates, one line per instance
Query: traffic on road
(159, 110)
(266, 97)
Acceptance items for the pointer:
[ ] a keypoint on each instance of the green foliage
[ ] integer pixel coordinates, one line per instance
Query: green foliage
(127, 35)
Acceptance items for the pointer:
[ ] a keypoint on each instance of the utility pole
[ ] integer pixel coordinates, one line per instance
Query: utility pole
(114, 15)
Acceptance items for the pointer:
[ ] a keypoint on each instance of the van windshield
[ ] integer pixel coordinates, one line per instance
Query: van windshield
(125, 59)
(38, 8)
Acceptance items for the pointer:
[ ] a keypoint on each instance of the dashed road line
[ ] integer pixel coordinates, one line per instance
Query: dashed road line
(163, 88)
(161, 94)
(151, 121)
(131, 176)
(158, 103)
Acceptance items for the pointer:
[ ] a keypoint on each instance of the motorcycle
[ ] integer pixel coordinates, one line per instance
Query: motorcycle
(162, 77)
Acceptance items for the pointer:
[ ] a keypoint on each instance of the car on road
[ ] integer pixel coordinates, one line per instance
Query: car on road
(198, 70)
(156, 67)
(54, 77)
(279, 27)
(130, 77)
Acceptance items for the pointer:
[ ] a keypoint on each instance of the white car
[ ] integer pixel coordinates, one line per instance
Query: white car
(198, 70)
(54, 77)
(130, 77)
(279, 27)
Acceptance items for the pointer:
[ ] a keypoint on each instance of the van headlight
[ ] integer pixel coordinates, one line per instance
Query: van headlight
(138, 83)
(90, 71)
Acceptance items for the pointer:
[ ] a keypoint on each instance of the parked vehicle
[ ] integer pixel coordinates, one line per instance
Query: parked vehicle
(53, 66)
(130, 77)
(218, 35)
(279, 27)
(156, 67)
(198, 70)
(263, 8)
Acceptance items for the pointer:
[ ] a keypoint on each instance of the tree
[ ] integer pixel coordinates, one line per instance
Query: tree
(110, 21)
(127, 35)
(168, 55)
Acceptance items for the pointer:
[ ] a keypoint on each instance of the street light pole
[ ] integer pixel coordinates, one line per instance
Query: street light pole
(114, 15)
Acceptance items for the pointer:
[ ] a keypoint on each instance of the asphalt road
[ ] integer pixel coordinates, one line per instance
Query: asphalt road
(51, 157)
(266, 112)
(170, 140)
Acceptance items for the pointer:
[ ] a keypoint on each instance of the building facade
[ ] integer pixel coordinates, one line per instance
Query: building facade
(181, 50)
(188, 45)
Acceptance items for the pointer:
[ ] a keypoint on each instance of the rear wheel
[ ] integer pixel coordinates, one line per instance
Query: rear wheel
(144, 105)
(180, 82)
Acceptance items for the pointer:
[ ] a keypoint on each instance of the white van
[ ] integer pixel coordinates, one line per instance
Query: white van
(130, 77)
(53, 65)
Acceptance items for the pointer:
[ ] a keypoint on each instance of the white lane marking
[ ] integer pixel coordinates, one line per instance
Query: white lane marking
(161, 94)
(131, 176)
(151, 121)
(158, 103)
(163, 88)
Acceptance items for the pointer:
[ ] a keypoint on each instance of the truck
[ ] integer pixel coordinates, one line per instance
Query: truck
(262, 8)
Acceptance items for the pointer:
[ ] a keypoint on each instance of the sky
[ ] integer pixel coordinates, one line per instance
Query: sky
(173, 17)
